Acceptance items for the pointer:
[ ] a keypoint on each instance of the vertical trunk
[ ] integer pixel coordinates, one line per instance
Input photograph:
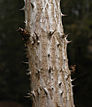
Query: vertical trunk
(48, 63)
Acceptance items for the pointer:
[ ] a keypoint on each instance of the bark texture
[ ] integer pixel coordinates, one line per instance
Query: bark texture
(47, 54)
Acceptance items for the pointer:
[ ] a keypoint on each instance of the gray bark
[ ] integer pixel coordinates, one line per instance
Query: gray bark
(47, 54)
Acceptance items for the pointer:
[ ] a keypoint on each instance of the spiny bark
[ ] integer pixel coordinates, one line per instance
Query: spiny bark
(47, 54)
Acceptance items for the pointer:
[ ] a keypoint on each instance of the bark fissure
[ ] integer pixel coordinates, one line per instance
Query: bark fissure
(47, 55)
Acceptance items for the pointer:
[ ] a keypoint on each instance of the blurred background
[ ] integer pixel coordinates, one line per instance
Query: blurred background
(14, 83)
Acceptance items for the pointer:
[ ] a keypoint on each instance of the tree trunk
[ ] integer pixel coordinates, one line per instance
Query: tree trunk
(47, 55)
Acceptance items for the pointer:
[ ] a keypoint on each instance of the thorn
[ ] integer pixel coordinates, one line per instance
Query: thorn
(51, 33)
(28, 95)
(36, 36)
(25, 62)
(45, 90)
(67, 77)
(32, 5)
(38, 74)
(73, 86)
(25, 22)
(22, 8)
(32, 94)
(68, 41)
(38, 69)
(73, 79)
(66, 35)
(63, 14)
(29, 73)
(20, 29)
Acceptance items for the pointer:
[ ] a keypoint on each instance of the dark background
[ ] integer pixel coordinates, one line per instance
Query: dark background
(14, 83)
